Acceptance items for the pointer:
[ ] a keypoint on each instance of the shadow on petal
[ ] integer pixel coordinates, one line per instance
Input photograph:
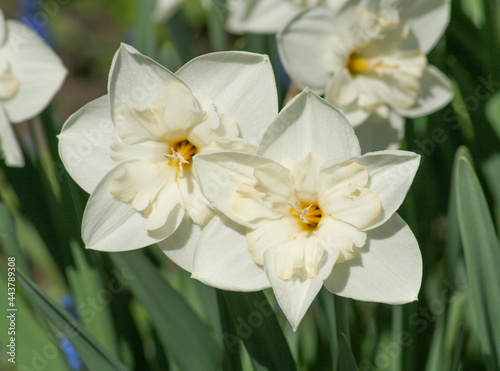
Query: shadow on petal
(387, 270)
(378, 133)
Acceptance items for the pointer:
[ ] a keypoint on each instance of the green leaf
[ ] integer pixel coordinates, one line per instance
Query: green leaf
(216, 30)
(87, 286)
(8, 238)
(328, 325)
(346, 361)
(491, 171)
(144, 30)
(232, 357)
(181, 332)
(493, 112)
(397, 331)
(482, 257)
(462, 112)
(90, 351)
(168, 56)
(181, 36)
(34, 346)
(257, 327)
(457, 354)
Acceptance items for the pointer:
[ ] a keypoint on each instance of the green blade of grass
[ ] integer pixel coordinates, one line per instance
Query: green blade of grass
(86, 285)
(257, 327)
(91, 352)
(482, 256)
(232, 357)
(34, 347)
(180, 330)
(346, 361)
(328, 325)
(457, 353)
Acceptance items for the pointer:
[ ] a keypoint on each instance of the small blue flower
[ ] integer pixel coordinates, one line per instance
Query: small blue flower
(36, 18)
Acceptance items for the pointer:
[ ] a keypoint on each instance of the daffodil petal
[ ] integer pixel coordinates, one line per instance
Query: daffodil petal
(241, 85)
(354, 114)
(84, 143)
(9, 85)
(10, 146)
(112, 225)
(391, 175)
(259, 16)
(341, 88)
(341, 236)
(220, 173)
(196, 205)
(378, 133)
(344, 195)
(436, 92)
(265, 198)
(274, 180)
(308, 123)
(164, 216)
(362, 209)
(344, 15)
(140, 182)
(222, 259)
(388, 269)
(169, 115)
(295, 295)
(301, 46)
(136, 80)
(342, 180)
(271, 234)
(39, 70)
(306, 177)
(428, 20)
(181, 245)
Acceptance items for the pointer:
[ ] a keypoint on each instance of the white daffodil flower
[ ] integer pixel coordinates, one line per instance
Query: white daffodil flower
(268, 16)
(30, 75)
(369, 60)
(309, 210)
(133, 149)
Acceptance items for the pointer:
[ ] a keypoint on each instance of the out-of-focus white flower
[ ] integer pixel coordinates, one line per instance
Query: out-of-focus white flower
(309, 210)
(268, 16)
(166, 8)
(369, 59)
(30, 75)
(133, 148)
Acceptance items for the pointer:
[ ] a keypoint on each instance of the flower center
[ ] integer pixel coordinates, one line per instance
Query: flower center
(357, 65)
(181, 154)
(309, 215)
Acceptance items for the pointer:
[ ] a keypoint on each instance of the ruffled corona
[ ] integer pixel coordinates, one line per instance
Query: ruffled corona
(305, 210)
